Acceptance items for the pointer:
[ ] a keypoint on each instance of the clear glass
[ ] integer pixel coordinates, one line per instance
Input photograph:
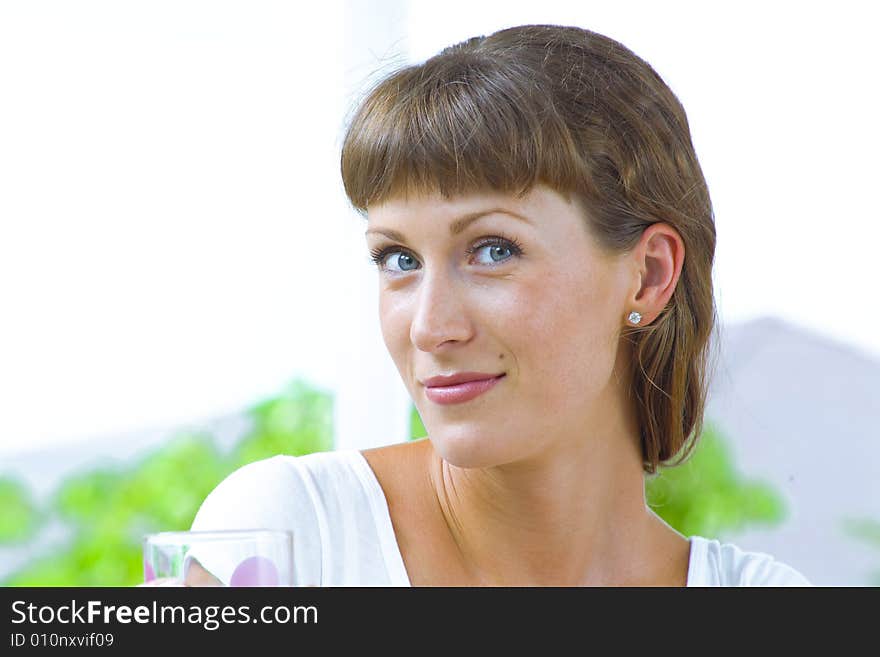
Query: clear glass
(252, 557)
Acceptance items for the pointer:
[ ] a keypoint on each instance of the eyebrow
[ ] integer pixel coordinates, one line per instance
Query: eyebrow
(456, 227)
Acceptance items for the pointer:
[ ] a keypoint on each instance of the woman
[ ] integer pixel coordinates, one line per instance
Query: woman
(544, 239)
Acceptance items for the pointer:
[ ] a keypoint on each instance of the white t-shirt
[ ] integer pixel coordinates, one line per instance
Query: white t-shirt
(343, 536)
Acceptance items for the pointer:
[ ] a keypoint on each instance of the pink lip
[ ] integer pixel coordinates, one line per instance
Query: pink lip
(460, 392)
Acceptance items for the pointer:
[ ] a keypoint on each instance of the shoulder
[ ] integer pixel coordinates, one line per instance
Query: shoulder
(321, 498)
(400, 469)
(392, 459)
(726, 564)
(275, 492)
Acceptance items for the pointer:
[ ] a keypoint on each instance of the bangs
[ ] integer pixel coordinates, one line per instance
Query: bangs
(453, 126)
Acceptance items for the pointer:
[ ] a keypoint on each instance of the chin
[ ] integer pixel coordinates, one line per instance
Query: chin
(467, 450)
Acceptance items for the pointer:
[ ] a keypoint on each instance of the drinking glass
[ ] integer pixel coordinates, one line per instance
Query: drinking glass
(251, 557)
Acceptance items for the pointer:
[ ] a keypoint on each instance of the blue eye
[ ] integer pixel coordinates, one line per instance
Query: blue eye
(498, 245)
(380, 256)
(494, 247)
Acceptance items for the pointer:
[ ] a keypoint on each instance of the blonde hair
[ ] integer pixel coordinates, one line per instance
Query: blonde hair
(582, 114)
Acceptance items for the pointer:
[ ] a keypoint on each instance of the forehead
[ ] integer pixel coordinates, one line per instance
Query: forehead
(460, 211)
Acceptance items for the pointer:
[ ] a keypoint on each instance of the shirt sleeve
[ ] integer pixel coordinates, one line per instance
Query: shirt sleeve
(767, 571)
(726, 564)
(266, 494)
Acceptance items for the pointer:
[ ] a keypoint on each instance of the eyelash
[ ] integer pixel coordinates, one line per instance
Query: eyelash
(378, 255)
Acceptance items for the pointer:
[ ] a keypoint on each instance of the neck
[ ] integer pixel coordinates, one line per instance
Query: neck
(569, 519)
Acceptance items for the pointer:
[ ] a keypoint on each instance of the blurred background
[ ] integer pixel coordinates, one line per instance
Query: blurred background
(184, 289)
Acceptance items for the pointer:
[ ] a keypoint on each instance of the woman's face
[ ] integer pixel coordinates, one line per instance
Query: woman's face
(522, 290)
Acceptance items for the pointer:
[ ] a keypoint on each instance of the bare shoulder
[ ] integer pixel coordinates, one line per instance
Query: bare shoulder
(390, 463)
(402, 472)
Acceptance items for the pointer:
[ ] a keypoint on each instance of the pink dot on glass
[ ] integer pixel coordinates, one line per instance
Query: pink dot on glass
(149, 574)
(255, 571)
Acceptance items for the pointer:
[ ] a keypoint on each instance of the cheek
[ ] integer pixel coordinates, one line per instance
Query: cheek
(394, 325)
(566, 344)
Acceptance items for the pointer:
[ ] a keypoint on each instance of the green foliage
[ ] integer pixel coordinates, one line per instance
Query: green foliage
(708, 497)
(297, 422)
(163, 490)
(867, 530)
(166, 489)
(81, 495)
(20, 517)
(416, 427)
(100, 558)
(108, 510)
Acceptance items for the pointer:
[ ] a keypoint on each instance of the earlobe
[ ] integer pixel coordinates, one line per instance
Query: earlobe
(661, 256)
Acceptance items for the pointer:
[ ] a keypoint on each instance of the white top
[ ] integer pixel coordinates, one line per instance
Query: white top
(343, 534)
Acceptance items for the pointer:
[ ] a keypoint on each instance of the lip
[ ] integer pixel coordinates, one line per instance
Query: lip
(458, 377)
(459, 393)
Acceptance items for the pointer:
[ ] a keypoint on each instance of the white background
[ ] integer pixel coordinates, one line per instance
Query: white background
(174, 243)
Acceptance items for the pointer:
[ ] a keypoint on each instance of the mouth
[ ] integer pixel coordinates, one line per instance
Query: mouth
(459, 393)
(446, 380)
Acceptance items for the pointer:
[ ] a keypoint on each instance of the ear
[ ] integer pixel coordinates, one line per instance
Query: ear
(657, 260)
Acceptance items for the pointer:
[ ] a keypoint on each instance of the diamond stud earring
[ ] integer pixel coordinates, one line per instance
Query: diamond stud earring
(635, 317)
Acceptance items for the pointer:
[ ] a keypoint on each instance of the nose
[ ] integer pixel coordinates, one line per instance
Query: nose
(440, 314)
